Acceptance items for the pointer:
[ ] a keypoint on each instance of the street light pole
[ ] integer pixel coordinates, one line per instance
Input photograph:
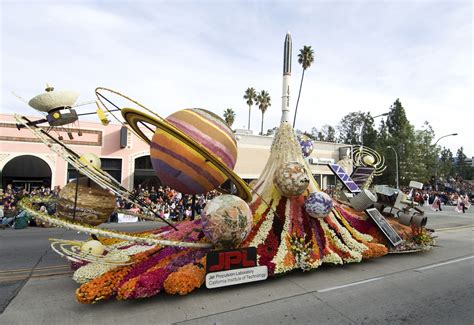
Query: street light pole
(436, 165)
(363, 125)
(396, 164)
(444, 136)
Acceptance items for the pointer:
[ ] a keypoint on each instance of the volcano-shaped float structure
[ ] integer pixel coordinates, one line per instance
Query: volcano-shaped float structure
(290, 222)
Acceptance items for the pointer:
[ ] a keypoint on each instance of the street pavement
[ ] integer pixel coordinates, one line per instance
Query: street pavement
(435, 287)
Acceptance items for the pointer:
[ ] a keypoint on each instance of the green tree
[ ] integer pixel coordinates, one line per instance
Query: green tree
(461, 166)
(250, 96)
(305, 58)
(326, 133)
(445, 164)
(355, 124)
(263, 102)
(424, 157)
(398, 133)
(229, 116)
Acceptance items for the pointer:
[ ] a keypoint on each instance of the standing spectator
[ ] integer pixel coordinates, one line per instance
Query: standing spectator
(436, 206)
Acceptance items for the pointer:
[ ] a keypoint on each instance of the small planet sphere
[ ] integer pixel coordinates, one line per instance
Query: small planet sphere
(306, 144)
(368, 160)
(318, 204)
(291, 179)
(181, 167)
(91, 159)
(94, 204)
(93, 247)
(226, 221)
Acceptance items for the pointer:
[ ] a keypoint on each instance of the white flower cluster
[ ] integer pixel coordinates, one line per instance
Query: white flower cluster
(90, 271)
(263, 230)
(354, 256)
(283, 249)
(332, 258)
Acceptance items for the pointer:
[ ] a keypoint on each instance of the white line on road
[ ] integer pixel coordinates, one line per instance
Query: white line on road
(444, 263)
(351, 284)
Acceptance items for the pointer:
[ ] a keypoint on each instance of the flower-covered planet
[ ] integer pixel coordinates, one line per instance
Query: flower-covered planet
(318, 204)
(306, 144)
(226, 221)
(291, 179)
(94, 204)
(91, 159)
(93, 247)
(182, 167)
(368, 160)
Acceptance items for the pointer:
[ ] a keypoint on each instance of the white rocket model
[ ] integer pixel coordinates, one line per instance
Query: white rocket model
(285, 98)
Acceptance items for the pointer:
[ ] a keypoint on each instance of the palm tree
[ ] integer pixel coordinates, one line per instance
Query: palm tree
(229, 116)
(250, 95)
(305, 58)
(263, 102)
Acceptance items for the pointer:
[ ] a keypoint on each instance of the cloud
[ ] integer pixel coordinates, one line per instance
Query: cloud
(174, 55)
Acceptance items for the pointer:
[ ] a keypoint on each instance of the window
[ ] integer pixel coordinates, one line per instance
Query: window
(112, 166)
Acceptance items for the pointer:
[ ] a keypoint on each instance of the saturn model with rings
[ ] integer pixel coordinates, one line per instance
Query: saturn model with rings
(192, 150)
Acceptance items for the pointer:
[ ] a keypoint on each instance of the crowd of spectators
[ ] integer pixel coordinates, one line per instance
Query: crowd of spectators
(175, 206)
(11, 215)
(167, 203)
(163, 201)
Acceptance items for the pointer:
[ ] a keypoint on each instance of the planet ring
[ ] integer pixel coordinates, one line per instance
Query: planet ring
(133, 117)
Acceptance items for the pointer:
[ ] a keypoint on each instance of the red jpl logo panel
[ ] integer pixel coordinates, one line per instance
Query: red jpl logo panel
(231, 259)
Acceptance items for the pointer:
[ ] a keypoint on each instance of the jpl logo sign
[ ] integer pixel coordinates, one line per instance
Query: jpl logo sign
(231, 259)
(235, 266)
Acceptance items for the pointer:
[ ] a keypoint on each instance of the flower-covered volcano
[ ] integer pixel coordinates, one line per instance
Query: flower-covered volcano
(286, 236)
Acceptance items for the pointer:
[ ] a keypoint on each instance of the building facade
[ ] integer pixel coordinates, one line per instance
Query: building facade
(26, 162)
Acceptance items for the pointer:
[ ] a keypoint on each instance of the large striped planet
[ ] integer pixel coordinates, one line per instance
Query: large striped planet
(183, 167)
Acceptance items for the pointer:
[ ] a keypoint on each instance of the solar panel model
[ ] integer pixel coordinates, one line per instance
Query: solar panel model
(341, 174)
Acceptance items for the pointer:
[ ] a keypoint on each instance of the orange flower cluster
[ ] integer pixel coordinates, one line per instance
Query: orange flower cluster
(186, 278)
(125, 291)
(107, 284)
(374, 250)
(102, 287)
(109, 241)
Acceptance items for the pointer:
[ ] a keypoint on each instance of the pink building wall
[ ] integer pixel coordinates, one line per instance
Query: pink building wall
(98, 139)
(104, 141)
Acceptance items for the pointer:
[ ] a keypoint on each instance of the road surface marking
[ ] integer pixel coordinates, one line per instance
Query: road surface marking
(454, 228)
(444, 263)
(14, 277)
(36, 269)
(351, 284)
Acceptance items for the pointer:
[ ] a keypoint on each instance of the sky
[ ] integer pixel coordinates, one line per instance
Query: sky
(171, 55)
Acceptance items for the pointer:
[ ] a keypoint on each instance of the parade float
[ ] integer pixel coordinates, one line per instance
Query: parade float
(283, 222)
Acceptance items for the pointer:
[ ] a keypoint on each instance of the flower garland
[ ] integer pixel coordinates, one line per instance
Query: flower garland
(26, 205)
